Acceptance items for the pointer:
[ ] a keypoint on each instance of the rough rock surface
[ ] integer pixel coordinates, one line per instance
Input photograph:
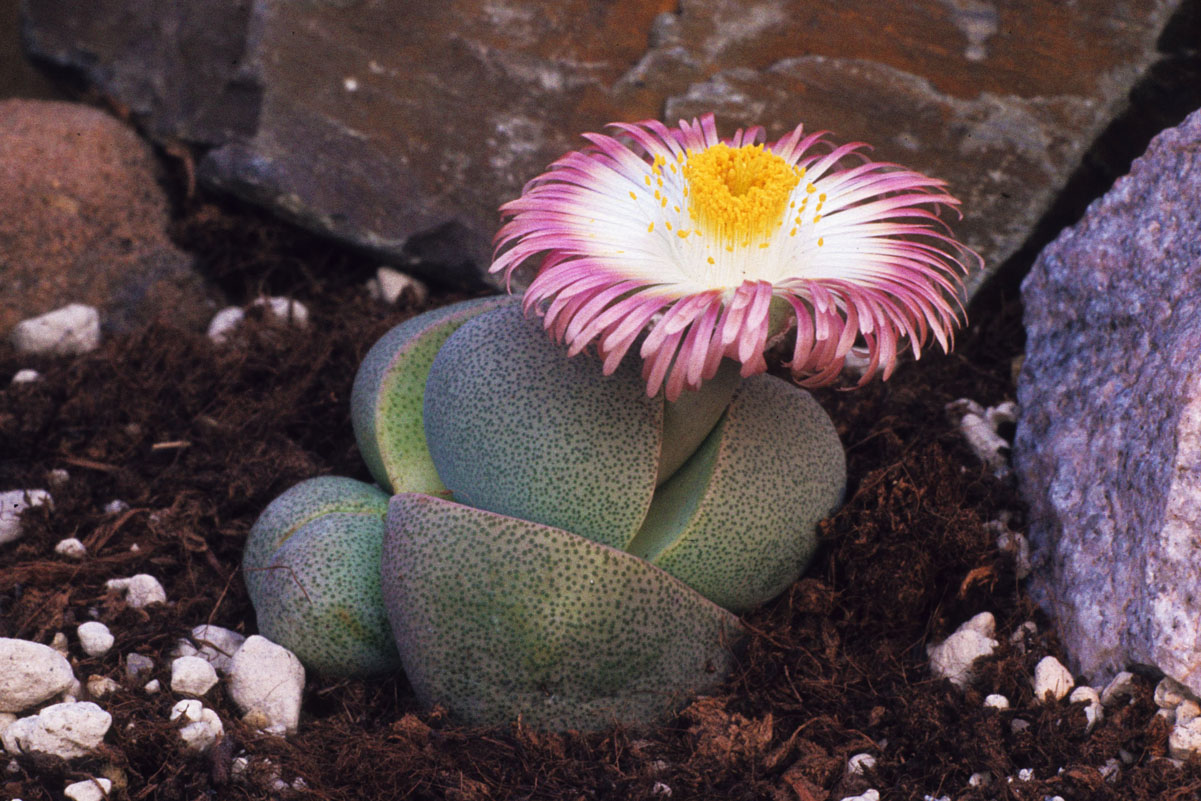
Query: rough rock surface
(30, 673)
(413, 134)
(68, 730)
(83, 220)
(1108, 446)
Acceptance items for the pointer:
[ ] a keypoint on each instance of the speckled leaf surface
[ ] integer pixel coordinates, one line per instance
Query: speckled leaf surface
(738, 521)
(386, 400)
(312, 571)
(518, 428)
(307, 500)
(497, 617)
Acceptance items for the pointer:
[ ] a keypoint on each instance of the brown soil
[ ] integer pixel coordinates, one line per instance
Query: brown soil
(197, 439)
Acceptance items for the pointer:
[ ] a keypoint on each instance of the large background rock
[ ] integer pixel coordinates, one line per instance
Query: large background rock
(83, 220)
(1108, 447)
(383, 122)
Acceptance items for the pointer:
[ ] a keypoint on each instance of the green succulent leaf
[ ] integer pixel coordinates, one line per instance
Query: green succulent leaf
(497, 618)
(738, 521)
(386, 400)
(311, 566)
(517, 427)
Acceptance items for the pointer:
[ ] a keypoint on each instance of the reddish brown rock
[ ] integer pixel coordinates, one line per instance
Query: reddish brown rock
(83, 220)
(382, 122)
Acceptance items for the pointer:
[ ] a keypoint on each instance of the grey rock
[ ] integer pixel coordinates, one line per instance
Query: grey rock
(403, 138)
(1108, 445)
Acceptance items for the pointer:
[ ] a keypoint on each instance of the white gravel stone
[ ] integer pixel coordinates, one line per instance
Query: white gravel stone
(6, 720)
(66, 730)
(266, 681)
(91, 790)
(140, 590)
(1120, 688)
(953, 657)
(95, 638)
(137, 665)
(26, 376)
(60, 643)
(980, 779)
(71, 548)
(867, 795)
(12, 504)
(1092, 712)
(116, 507)
(152, 687)
(101, 686)
(215, 644)
(286, 310)
(389, 284)
(202, 727)
(68, 331)
(1050, 676)
(1187, 712)
(995, 701)
(1185, 739)
(859, 764)
(224, 322)
(1170, 693)
(192, 675)
(58, 477)
(31, 673)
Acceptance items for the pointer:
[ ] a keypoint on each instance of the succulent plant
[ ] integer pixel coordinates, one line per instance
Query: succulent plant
(570, 540)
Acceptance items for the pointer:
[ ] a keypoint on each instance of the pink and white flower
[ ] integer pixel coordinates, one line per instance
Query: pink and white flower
(712, 245)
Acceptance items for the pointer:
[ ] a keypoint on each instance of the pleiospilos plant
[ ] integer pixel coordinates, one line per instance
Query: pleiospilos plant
(571, 540)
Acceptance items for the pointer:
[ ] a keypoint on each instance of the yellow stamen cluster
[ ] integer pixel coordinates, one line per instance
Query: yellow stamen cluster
(739, 195)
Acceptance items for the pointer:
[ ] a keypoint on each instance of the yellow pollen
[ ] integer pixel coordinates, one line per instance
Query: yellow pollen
(739, 194)
(650, 227)
(821, 241)
(810, 189)
(633, 196)
(790, 233)
(817, 218)
(647, 178)
(657, 195)
(821, 198)
(682, 233)
(668, 224)
(712, 260)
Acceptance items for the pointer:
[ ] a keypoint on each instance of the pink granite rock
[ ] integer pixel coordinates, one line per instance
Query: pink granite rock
(1108, 446)
(83, 220)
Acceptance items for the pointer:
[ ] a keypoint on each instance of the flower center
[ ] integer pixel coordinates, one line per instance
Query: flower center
(738, 194)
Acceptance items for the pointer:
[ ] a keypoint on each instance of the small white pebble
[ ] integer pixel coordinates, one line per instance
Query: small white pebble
(1185, 740)
(979, 779)
(1167, 714)
(202, 727)
(95, 638)
(26, 376)
(1025, 774)
(137, 665)
(659, 788)
(1017, 725)
(1092, 712)
(67, 730)
(223, 324)
(140, 590)
(1170, 693)
(1111, 770)
(58, 477)
(1050, 676)
(867, 795)
(90, 790)
(1121, 687)
(860, 764)
(152, 687)
(953, 658)
(215, 644)
(286, 310)
(71, 548)
(192, 675)
(60, 643)
(996, 701)
(1187, 712)
(101, 686)
(115, 507)
(13, 504)
(266, 681)
(68, 331)
(30, 674)
(390, 285)
(928, 797)
(350, 84)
